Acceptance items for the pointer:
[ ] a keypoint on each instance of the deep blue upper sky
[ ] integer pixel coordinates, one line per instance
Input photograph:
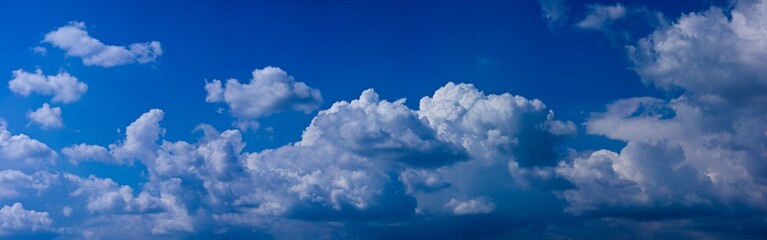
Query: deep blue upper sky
(658, 131)
(403, 49)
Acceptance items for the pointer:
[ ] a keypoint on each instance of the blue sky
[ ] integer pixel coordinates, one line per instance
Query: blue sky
(384, 119)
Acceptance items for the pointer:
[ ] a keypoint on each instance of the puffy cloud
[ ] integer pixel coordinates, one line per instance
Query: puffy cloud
(495, 126)
(84, 152)
(22, 152)
(156, 210)
(645, 178)
(141, 138)
(140, 143)
(601, 16)
(383, 130)
(464, 163)
(63, 87)
(472, 206)
(555, 11)
(46, 117)
(271, 90)
(15, 218)
(715, 59)
(73, 39)
(12, 181)
(700, 153)
(105, 196)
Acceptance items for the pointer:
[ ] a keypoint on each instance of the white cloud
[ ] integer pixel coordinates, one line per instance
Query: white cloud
(601, 16)
(718, 61)
(84, 152)
(73, 39)
(22, 152)
(40, 50)
(140, 143)
(105, 196)
(382, 130)
(678, 152)
(67, 211)
(555, 11)
(63, 87)
(271, 90)
(15, 218)
(472, 206)
(46, 117)
(141, 138)
(495, 126)
(701, 150)
(13, 181)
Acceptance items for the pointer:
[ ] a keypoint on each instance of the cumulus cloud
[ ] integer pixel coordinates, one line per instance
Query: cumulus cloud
(381, 130)
(15, 218)
(104, 195)
(46, 117)
(63, 87)
(464, 163)
(12, 182)
(366, 159)
(140, 143)
(271, 90)
(141, 137)
(84, 152)
(714, 58)
(22, 152)
(495, 126)
(699, 153)
(555, 11)
(74, 39)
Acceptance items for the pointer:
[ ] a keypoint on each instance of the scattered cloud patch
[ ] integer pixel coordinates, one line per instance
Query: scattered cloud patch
(697, 154)
(464, 164)
(46, 117)
(40, 50)
(601, 16)
(84, 152)
(16, 218)
(271, 90)
(22, 152)
(75, 40)
(715, 59)
(63, 87)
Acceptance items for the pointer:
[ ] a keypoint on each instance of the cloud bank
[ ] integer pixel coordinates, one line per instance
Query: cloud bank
(463, 164)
